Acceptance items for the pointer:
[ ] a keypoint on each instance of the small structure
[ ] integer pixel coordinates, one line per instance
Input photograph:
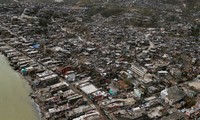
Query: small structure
(88, 88)
(63, 70)
(70, 77)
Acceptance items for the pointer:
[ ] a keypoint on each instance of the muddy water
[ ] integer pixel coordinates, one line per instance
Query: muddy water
(15, 103)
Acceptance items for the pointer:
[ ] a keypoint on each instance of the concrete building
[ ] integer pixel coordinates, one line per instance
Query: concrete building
(138, 70)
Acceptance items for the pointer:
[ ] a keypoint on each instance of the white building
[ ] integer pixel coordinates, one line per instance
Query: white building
(138, 70)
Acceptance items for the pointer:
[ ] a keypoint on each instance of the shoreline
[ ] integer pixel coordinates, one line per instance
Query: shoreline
(34, 104)
(28, 88)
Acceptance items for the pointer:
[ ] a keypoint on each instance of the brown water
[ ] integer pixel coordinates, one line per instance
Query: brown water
(15, 104)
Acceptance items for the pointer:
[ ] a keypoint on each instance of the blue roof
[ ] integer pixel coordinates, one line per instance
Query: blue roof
(112, 92)
(36, 46)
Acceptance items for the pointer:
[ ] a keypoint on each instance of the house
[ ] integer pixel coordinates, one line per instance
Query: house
(88, 88)
(133, 114)
(112, 105)
(162, 73)
(79, 111)
(175, 72)
(48, 80)
(94, 115)
(175, 116)
(138, 93)
(59, 86)
(156, 112)
(63, 70)
(70, 76)
(195, 84)
(98, 95)
(172, 95)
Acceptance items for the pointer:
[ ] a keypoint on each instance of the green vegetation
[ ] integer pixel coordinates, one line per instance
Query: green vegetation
(151, 22)
(85, 2)
(146, 12)
(5, 1)
(195, 31)
(94, 10)
(106, 11)
(43, 22)
(190, 102)
(112, 11)
(173, 2)
(128, 82)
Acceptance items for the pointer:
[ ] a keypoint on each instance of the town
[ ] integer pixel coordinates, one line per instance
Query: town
(130, 61)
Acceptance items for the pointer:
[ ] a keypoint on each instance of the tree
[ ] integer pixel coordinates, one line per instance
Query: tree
(43, 22)
(128, 82)
(190, 102)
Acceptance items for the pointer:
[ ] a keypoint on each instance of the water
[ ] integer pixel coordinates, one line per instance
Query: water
(15, 104)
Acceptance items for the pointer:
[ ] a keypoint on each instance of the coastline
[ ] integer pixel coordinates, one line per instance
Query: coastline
(27, 87)
(34, 104)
